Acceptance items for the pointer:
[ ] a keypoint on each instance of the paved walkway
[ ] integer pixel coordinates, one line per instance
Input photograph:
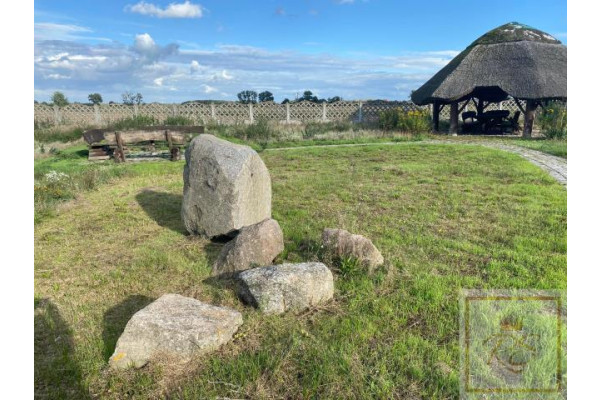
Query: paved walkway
(555, 166)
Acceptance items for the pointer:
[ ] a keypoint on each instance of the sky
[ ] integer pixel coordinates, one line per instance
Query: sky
(179, 50)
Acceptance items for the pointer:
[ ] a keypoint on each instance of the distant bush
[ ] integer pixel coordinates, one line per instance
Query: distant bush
(412, 121)
(312, 129)
(259, 131)
(388, 119)
(553, 121)
(134, 122)
(57, 135)
(179, 120)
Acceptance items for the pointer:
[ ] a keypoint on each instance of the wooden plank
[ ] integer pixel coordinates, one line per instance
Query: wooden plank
(132, 137)
(100, 136)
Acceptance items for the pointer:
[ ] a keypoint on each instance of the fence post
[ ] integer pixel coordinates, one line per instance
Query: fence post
(57, 118)
(135, 110)
(287, 113)
(213, 113)
(251, 112)
(324, 112)
(175, 113)
(97, 116)
(360, 116)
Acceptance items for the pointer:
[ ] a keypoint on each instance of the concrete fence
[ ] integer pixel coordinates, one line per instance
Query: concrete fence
(232, 112)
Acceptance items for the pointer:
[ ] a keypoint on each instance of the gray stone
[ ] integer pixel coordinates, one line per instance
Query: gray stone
(342, 243)
(176, 326)
(286, 287)
(254, 246)
(226, 186)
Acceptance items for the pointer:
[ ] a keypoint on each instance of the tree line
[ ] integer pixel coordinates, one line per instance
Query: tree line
(250, 96)
(244, 97)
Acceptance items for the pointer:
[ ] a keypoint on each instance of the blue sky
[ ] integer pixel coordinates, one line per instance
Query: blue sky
(178, 50)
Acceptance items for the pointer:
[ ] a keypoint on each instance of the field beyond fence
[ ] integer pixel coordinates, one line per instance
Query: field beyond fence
(102, 115)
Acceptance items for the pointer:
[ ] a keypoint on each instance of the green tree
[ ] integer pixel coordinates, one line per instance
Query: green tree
(334, 99)
(285, 101)
(59, 99)
(308, 96)
(247, 96)
(265, 96)
(95, 98)
(130, 98)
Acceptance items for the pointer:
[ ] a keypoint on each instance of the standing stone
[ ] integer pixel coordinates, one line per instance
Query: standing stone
(279, 288)
(226, 186)
(255, 246)
(176, 326)
(342, 243)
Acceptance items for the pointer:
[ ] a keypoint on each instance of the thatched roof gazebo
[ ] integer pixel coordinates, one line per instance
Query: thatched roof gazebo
(512, 60)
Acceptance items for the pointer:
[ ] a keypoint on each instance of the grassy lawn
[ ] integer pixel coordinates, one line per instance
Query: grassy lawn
(556, 147)
(445, 217)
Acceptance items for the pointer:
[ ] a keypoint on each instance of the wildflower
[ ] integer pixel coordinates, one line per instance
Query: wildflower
(54, 176)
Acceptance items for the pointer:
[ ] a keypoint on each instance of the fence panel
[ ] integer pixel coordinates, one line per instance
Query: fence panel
(43, 114)
(306, 111)
(343, 111)
(236, 113)
(269, 111)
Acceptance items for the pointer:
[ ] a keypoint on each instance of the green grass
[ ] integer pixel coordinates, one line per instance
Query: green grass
(445, 217)
(555, 147)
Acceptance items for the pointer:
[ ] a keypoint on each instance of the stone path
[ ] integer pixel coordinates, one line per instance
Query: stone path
(555, 166)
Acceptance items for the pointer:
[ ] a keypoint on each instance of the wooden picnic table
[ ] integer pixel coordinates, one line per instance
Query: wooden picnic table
(493, 119)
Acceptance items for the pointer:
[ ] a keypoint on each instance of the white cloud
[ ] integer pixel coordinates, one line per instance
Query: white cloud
(54, 31)
(147, 47)
(144, 43)
(165, 73)
(223, 75)
(209, 89)
(173, 10)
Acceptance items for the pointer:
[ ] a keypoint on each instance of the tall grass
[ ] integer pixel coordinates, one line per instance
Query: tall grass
(553, 121)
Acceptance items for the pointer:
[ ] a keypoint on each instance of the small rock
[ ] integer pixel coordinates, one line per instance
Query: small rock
(177, 326)
(342, 243)
(279, 288)
(226, 186)
(254, 246)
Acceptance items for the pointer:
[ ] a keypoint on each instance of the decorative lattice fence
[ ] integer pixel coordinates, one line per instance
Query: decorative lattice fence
(234, 112)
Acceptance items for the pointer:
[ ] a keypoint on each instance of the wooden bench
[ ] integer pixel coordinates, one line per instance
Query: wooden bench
(106, 143)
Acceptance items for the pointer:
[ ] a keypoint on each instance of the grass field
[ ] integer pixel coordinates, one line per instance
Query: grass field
(445, 217)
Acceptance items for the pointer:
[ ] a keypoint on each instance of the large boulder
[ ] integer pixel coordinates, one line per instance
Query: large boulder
(254, 246)
(342, 243)
(279, 288)
(176, 326)
(226, 186)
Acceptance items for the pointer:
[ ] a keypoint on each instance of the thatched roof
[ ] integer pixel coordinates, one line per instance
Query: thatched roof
(511, 60)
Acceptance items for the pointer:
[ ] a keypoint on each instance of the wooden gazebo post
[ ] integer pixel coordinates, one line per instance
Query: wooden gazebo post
(454, 118)
(436, 116)
(530, 107)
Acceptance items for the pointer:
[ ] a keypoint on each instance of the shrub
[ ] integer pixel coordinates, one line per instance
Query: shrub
(134, 122)
(179, 120)
(259, 131)
(553, 121)
(414, 121)
(312, 129)
(388, 119)
(57, 135)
